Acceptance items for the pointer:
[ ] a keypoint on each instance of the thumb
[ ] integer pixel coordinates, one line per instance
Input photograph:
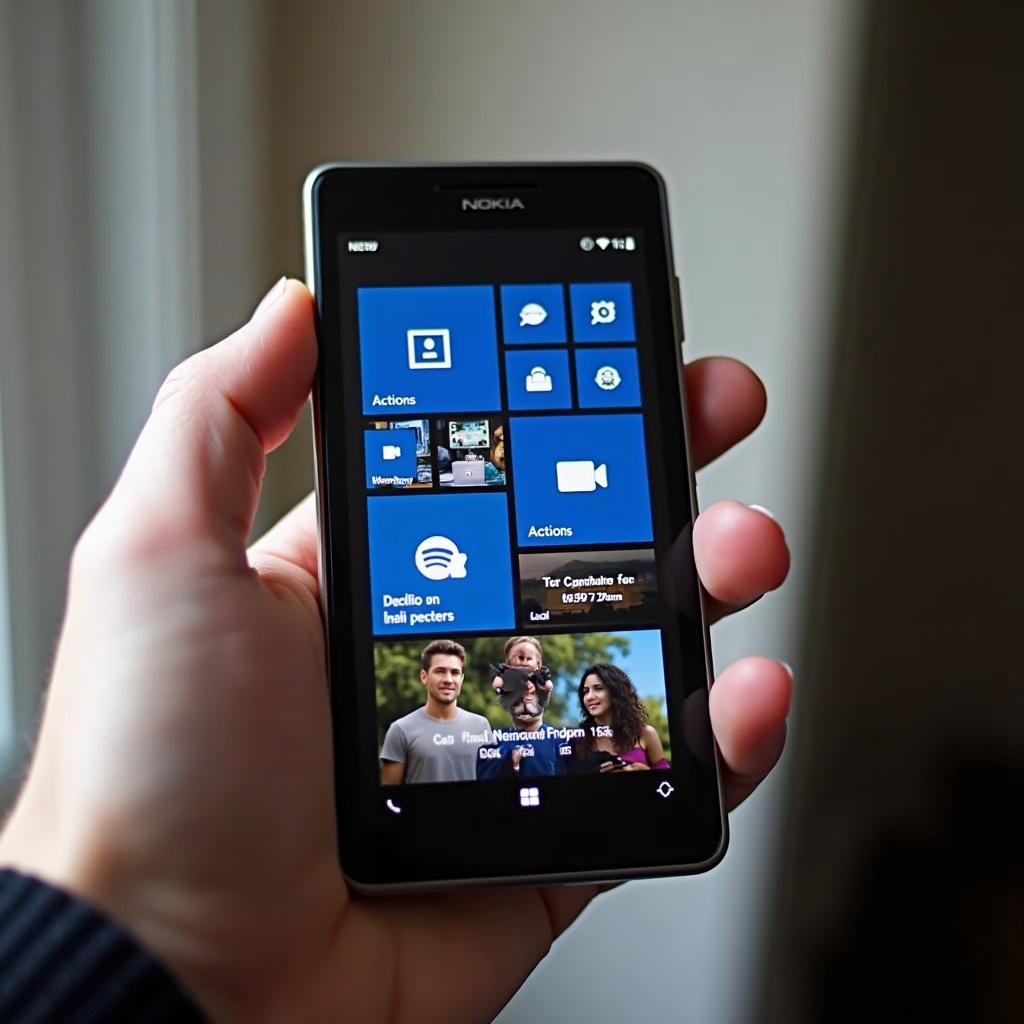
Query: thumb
(196, 469)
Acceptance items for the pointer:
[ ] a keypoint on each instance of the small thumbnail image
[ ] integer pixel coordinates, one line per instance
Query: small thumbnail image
(453, 708)
(591, 587)
(398, 454)
(470, 452)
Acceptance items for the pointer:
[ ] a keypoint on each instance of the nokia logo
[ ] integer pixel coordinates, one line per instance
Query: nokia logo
(500, 203)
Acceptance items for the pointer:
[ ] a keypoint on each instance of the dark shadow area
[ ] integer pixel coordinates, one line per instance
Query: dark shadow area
(899, 877)
(930, 937)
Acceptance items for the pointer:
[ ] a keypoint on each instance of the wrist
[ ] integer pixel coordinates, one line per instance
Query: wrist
(40, 851)
(64, 936)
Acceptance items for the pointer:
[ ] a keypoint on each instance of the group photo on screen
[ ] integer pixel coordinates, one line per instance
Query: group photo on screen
(455, 709)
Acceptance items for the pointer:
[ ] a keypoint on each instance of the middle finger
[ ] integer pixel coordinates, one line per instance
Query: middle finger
(740, 552)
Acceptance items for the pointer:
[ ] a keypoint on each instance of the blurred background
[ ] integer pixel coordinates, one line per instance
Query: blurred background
(845, 181)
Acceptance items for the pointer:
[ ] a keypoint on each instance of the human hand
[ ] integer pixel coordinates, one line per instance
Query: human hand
(182, 780)
(622, 766)
(498, 685)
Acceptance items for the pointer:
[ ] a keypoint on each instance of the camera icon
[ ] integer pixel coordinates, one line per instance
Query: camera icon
(390, 452)
(580, 476)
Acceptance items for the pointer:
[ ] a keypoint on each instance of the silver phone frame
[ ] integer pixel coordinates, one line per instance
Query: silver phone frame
(557, 878)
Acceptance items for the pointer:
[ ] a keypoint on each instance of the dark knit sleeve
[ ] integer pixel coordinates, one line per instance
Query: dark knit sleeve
(61, 960)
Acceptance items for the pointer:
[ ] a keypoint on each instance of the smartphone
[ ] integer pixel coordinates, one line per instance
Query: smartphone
(505, 499)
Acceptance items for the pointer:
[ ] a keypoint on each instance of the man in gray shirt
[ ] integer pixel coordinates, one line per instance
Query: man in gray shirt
(437, 742)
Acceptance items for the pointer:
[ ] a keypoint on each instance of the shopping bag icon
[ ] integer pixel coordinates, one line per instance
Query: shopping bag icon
(538, 379)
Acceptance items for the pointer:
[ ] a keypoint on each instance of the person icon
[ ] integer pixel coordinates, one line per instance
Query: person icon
(429, 349)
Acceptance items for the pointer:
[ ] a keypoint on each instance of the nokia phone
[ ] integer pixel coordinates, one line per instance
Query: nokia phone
(517, 646)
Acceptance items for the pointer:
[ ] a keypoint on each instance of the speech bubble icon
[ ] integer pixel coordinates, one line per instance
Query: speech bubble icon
(532, 314)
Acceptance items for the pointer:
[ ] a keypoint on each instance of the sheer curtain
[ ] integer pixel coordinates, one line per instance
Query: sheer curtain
(111, 212)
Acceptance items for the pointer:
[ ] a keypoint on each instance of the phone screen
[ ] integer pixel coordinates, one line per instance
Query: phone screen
(522, 628)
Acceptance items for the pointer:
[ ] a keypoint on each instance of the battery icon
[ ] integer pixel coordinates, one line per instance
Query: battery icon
(630, 243)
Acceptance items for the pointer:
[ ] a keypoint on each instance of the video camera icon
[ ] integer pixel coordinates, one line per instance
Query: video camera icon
(580, 476)
(390, 452)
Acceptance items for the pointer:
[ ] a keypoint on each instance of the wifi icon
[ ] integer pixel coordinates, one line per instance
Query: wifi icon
(439, 558)
(602, 243)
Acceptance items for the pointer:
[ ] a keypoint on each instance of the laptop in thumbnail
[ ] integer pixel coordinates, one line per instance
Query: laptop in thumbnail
(468, 474)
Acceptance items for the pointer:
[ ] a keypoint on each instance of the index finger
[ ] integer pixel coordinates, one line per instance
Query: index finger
(726, 401)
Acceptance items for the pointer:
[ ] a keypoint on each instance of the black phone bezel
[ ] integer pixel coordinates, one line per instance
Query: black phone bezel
(377, 848)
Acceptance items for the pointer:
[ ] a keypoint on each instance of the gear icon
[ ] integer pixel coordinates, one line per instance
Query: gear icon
(607, 378)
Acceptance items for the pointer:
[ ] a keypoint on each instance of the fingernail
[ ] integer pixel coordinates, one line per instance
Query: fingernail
(763, 511)
(789, 668)
(276, 291)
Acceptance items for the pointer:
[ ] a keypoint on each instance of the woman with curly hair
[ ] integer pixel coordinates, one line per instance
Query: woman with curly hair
(627, 742)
